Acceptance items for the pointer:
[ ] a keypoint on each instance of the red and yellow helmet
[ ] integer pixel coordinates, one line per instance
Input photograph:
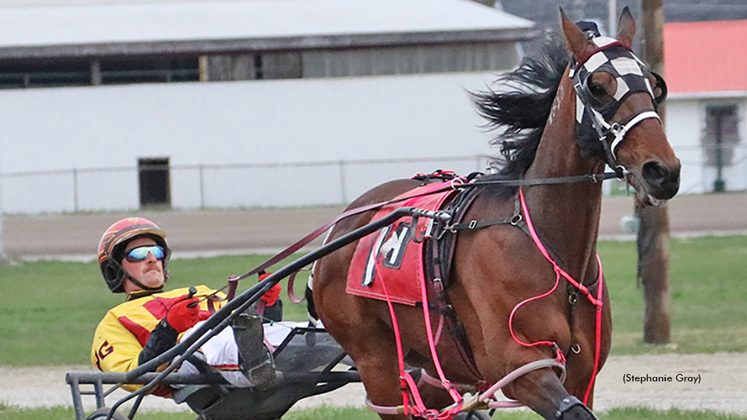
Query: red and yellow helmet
(111, 248)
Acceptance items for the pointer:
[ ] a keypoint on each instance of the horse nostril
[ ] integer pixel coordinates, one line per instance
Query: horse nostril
(655, 174)
(663, 182)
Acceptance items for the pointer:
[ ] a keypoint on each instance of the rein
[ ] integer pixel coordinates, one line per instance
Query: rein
(457, 183)
(409, 388)
(576, 179)
(412, 402)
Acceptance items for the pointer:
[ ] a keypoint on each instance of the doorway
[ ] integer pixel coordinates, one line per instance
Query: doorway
(154, 179)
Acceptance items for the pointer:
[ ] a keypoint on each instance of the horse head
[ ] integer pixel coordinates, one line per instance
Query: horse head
(617, 101)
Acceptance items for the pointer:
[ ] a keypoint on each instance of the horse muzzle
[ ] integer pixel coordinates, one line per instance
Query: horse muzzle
(655, 182)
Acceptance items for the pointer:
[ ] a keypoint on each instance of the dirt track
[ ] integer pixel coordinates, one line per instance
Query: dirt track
(723, 384)
(240, 231)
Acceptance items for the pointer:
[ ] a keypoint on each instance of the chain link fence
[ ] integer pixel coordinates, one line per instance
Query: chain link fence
(290, 184)
(212, 185)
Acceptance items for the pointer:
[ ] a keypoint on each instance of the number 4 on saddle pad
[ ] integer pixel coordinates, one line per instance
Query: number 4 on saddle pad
(391, 257)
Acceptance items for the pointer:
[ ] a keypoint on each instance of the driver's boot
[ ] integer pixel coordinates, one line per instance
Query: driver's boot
(254, 358)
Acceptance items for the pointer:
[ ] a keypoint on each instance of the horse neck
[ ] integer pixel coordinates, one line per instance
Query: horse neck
(565, 216)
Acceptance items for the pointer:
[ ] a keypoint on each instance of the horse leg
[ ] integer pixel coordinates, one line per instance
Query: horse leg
(370, 343)
(380, 376)
(580, 365)
(433, 396)
(579, 368)
(375, 356)
(542, 391)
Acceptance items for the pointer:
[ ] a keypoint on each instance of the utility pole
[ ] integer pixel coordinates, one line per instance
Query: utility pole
(653, 234)
(3, 255)
(612, 17)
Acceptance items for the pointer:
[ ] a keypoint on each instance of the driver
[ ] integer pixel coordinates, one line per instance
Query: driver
(133, 255)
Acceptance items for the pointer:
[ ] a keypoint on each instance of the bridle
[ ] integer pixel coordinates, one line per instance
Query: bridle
(594, 112)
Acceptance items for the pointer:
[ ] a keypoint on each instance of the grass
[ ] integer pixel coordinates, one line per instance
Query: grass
(707, 296)
(325, 413)
(56, 305)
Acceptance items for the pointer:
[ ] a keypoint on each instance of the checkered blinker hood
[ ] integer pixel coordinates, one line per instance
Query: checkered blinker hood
(594, 110)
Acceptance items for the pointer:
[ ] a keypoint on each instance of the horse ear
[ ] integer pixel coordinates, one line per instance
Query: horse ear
(575, 39)
(626, 33)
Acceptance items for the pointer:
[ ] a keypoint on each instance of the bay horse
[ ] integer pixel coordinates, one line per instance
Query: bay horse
(559, 115)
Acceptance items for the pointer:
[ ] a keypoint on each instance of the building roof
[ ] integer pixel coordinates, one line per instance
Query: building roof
(706, 57)
(545, 12)
(250, 24)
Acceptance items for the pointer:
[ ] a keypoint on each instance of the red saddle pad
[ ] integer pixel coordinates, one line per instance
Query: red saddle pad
(389, 261)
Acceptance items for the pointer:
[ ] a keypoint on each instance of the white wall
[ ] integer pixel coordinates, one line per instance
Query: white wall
(265, 143)
(253, 122)
(685, 124)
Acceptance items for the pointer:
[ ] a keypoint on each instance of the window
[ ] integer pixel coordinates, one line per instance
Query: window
(44, 73)
(148, 70)
(253, 65)
(269, 65)
(720, 140)
(95, 71)
(451, 58)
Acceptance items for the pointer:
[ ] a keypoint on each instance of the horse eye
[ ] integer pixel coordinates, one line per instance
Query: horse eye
(598, 86)
(597, 90)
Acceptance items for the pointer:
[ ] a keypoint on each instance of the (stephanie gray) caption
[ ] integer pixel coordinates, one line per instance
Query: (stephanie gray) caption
(630, 378)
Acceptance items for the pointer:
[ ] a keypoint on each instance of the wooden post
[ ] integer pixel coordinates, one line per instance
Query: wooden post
(653, 235)
(3, 255)
(612, 17)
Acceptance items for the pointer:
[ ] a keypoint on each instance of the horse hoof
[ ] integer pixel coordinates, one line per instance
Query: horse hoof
(573, 409)
(578, 412)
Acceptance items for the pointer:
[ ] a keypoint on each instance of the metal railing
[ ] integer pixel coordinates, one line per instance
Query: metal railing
(245, 185)
(216, 185)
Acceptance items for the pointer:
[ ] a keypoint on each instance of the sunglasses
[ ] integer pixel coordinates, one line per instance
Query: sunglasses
(141, 253)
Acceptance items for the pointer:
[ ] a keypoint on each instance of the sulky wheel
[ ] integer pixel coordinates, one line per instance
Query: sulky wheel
(102, 412)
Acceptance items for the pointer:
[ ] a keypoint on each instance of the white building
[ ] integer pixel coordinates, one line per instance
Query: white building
(106, 106)
(706, 72)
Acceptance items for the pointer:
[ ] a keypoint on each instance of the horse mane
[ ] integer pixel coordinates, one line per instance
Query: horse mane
(520, 106)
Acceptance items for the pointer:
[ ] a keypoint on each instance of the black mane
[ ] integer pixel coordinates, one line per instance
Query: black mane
(520, 105)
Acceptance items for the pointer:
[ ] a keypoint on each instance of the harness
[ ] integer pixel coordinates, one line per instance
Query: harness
(594, 111)
(442, 249)
(594, 115)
